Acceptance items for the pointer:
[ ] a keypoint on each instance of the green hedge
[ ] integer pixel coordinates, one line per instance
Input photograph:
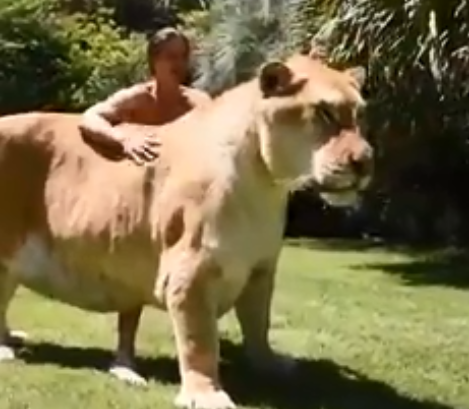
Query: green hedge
(52, 60)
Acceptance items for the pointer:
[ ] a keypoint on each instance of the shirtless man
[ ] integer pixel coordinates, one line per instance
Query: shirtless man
(161, 100)
(156, 102)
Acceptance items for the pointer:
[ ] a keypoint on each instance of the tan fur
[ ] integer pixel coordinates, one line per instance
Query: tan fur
(195, 234)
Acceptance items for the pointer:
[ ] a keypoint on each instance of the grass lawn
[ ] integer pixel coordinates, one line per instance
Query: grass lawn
(372, 329)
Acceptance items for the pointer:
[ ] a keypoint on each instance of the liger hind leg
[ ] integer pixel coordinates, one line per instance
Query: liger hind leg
(123, 366)
(8, 338)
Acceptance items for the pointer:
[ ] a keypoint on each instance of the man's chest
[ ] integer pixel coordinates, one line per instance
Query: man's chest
(151, 111)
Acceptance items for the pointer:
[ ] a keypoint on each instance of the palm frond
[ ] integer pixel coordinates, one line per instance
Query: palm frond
(243, 35)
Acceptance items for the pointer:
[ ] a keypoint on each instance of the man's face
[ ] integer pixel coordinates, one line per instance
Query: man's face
(172, 61)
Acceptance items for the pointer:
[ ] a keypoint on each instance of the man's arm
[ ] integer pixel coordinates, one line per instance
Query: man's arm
(97, 127)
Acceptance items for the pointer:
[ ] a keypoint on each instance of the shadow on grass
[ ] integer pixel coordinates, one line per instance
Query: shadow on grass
(446, 268)
(342, 245)
(425, 265)
(363, 245)
(318, 384)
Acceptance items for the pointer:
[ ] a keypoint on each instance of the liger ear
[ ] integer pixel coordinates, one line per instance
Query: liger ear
(274, 78)
(358, 74)
(318, 51)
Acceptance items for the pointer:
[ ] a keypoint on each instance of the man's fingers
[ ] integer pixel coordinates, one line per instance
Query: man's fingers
(145, 149)
(149, 155)
(137, 160)
(144, 154)
(151, 141)
(152, 149)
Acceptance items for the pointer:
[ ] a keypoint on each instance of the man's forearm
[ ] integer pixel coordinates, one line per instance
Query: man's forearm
(102, 137)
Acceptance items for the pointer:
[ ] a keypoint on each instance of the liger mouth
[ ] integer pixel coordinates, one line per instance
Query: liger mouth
(351, 187)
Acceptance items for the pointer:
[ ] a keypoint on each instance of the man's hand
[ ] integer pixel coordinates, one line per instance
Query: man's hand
(140, 149)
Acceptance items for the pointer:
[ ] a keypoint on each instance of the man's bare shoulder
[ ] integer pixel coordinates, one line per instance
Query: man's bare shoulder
(197, 97)
(142, 89)
(122, 101)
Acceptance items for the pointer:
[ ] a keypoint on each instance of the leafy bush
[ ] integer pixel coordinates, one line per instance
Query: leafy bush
(136, 15)
(62, 62)
(105, 58)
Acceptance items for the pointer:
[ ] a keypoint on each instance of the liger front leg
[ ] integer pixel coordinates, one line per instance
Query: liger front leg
(191, 305)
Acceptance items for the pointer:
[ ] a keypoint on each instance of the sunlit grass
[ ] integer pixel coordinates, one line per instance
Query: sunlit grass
(367, 335)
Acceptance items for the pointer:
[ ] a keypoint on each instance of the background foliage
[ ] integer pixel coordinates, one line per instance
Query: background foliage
(67, 54)
(416, 55)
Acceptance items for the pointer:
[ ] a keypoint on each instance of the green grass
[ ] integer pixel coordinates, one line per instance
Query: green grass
(372, 329)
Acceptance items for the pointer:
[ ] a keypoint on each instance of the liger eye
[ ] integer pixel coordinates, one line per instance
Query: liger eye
(360, 115)
(326, 115)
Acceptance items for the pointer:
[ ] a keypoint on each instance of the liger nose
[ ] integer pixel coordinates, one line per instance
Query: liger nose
(362, 162)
